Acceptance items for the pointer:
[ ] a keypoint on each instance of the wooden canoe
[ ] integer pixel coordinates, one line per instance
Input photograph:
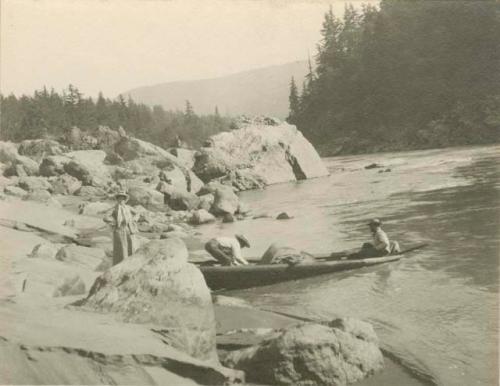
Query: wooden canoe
(254, 275)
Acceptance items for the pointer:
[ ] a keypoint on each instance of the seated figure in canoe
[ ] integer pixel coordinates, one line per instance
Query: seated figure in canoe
(381, 245)
(227, 250)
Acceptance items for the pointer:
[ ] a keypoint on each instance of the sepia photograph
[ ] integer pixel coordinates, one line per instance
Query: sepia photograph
(250, 192)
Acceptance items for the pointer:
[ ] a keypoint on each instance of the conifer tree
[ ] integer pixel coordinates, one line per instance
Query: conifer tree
(293, 102)
(189, 111)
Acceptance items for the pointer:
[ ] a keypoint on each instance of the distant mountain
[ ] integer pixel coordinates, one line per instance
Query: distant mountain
(255, 92)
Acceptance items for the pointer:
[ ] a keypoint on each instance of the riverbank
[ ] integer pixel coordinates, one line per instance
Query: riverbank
(57, 254)
(46, 271)
(44, 326)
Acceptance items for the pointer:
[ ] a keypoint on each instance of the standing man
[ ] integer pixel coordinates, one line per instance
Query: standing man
(227, 250)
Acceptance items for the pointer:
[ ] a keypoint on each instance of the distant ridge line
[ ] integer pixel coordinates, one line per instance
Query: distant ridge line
(260, 91)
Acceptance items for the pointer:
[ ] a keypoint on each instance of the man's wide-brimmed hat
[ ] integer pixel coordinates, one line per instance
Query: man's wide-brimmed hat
(243, 240)
(122, 193)
(375, 221)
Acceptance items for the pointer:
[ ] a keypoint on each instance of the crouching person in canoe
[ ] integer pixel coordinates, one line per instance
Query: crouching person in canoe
(124, 228)
(227, 250)
(381, 246)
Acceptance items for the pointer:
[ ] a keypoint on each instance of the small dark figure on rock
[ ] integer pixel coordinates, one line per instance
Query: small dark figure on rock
(227, 250)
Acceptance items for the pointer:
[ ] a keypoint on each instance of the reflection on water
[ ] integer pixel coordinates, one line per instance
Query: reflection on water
(436, 310)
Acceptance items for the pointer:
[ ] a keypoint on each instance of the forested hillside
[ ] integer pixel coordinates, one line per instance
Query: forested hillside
(50, 114)
(255, 92)
(406, 75)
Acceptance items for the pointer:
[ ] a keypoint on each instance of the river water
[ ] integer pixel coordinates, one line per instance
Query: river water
(437, 310)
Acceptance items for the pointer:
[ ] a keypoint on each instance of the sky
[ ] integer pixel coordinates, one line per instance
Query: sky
(116, 45)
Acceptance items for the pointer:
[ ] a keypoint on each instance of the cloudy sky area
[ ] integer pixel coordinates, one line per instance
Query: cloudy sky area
(116, 45)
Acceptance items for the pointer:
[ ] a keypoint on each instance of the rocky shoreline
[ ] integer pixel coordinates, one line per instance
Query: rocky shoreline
(69, 317)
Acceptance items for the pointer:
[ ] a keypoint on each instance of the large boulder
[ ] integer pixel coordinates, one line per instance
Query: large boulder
(65, 184)
(39, 148)
(185, 155)
(201, 216)
(341, 353)
(182, 200)
(43, 196)
(206, 201)
(44, 251)
(90, 192)
(8, 152)
(22, 166)
(15, 191)
(70, 286)
(53, 165)
(31, 184)
(145, 166)
(270, 153)
(130, 148)
(225, 201)
(146, 196)
(98, 208)
(88, 166)
(85, 256)
(106, 138)
(194, 183)
(174, 176)
(243, 179)
(156, 286)
(16, 164)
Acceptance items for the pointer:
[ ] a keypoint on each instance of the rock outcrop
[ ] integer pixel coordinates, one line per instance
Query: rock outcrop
(185, 155)
(15, 163)
(70, 286)
(157, 286)
(225, 201)
(95, 208)
(39, 148)
(44, 251)
(201, 216)
(8, 152)
(32, 184)
(341, 353)
(90, 192)
(90, 258)
(15, 191)
(146, 197)
(53, 165)
(261, 153)
(130, 148)
(65, 184)
(182, 200)
(88, 167)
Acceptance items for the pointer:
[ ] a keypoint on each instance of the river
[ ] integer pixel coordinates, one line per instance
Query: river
(436, 310)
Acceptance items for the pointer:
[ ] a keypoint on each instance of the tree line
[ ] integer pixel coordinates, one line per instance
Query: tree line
(406, 74)
(52, 115)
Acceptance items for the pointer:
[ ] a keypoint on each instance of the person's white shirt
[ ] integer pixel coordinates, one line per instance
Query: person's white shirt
(381, 241)
(232, 246)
